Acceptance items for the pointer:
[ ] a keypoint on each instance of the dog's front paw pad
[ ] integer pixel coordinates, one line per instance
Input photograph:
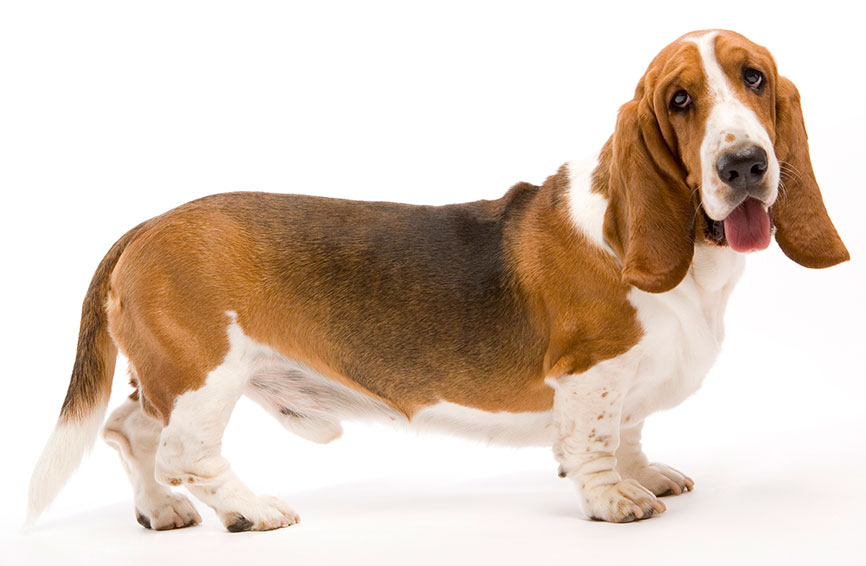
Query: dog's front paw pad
(662, 480)
(171, 512)
(262, 514)
(621, 502)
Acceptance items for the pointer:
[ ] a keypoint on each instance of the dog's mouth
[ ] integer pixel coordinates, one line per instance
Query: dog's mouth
(748, 227)
(714, 230)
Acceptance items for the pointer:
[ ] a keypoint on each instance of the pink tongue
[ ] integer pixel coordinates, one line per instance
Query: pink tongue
(748, 227)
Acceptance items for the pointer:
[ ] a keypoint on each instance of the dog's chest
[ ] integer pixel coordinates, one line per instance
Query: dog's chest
(683, 331)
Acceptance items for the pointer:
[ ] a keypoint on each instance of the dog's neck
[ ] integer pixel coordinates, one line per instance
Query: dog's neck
(584, 186)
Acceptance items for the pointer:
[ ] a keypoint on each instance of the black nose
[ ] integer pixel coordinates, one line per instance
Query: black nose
(744, 168)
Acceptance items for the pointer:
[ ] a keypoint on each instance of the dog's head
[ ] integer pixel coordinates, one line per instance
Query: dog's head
(712, 148)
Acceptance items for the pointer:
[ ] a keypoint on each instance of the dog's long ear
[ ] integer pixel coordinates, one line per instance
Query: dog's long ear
(804, 230)
(650, 219)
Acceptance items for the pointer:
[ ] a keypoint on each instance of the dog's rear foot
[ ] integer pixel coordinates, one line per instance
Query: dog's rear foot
(169, 512)
(259, 514)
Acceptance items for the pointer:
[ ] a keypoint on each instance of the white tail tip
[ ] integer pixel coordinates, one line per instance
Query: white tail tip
(61, 456)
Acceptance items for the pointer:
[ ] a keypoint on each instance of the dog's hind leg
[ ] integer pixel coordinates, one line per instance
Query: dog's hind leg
(189, 447)
(136, 437)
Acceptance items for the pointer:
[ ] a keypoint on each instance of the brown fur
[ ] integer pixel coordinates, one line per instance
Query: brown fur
(805, 232)
(644, 173)
(575, 284)
(408, 304)
(92, 373)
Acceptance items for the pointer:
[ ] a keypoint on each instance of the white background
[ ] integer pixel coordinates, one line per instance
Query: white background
(113, 112)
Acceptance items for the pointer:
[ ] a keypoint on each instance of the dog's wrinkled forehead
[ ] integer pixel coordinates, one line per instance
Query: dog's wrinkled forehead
(708, 67)
(724, 58)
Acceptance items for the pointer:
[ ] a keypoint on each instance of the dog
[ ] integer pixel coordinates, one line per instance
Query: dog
(562, 314)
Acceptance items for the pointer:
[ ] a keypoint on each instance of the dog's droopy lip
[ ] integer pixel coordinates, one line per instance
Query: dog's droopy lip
(715, 229)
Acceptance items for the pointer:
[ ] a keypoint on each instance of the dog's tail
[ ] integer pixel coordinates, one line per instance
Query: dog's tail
(89, 389)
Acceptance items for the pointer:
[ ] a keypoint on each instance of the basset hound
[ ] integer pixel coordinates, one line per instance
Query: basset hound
(562, 314)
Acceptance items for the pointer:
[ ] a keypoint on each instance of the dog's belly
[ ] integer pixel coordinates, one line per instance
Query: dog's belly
(313, 406)
(308, 403)
(516, 429)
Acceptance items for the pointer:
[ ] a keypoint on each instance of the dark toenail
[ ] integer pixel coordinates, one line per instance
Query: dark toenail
(240, 524)
(142, 520)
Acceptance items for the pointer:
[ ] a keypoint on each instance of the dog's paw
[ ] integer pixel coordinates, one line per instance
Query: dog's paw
(661, 480)
(621, 502)
(260, 514)
(167, 512)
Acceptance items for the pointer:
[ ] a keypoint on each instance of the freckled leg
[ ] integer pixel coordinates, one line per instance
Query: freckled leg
(136, 436)
(587, 410)
(633, 464)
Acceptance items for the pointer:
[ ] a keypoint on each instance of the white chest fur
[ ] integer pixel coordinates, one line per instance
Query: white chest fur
(683, 331)
(683, 328)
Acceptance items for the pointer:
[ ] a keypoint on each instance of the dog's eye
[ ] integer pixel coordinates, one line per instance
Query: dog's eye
(681, 101)
(753, 78)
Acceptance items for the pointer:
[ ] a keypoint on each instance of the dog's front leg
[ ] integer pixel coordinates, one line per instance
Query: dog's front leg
(587, 408)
